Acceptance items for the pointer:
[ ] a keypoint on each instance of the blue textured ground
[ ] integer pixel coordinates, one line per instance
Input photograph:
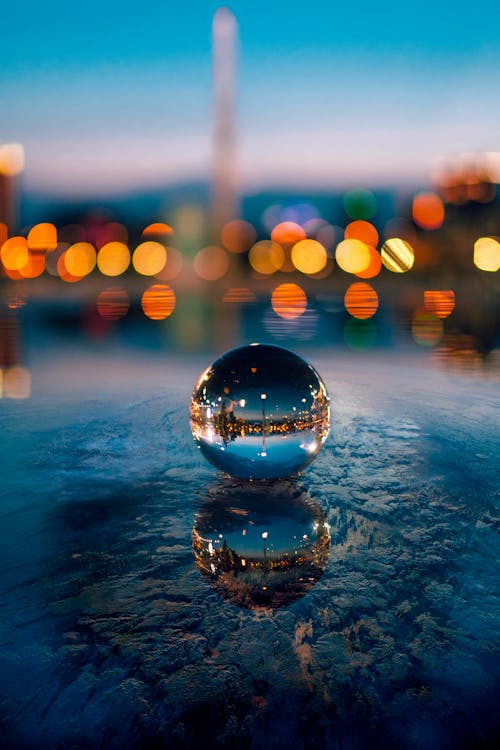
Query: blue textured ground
(110, 638)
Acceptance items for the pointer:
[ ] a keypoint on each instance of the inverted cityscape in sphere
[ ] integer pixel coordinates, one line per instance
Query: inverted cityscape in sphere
(261, 547)
(260, 412)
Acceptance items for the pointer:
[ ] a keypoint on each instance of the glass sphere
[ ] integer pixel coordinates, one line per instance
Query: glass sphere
(261, 546)
(260, 412)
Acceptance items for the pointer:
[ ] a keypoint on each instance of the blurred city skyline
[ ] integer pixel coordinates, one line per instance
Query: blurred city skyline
(327, 96)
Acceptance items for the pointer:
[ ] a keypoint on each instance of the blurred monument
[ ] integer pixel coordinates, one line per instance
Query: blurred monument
(224, 192)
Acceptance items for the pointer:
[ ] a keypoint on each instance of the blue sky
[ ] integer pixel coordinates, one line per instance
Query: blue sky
(104, 96)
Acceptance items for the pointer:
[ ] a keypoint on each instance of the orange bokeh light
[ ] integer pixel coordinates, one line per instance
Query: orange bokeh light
(266, 257)
(441, 303)
(288, 233)
(211, 263)
(173, 265)
(361, 300)
(289, 301)
(362, 230)
(113, 259)
(309, 256)
(238, 236)
(374, 267)
(353, 256)
(63, 272)
(42, 237)
(158, 302)
(14, 253)
(149, 258)
(157, 229)
(112, 303)
(428, 210)
(80, 259)
(34, 266)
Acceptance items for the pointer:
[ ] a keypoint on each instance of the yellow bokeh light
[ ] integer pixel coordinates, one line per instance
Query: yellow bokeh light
(80, 259)
(352, 255)
(211, 263)
(237, 236)
(113, 259)
(397, 255)
(487, 254)
(439, 302)
(11, 159)
(309, 256)
(289, 301)
(149, 258)
(42, 237)
(14, 253)
(158, 302)
(266, 257)
(63, 272)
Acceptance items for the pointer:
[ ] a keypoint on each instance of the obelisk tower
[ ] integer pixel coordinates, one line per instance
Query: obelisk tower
(225, 204)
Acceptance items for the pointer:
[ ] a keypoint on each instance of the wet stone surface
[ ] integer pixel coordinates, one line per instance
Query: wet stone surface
(111, 636)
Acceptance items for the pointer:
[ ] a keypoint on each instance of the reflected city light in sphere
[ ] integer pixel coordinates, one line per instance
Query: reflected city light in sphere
(397, 255)
(260, 412)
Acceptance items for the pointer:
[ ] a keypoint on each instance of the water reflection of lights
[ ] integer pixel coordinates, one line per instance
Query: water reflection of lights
(361, 300)
(261, 547)
(288, 300)
(158, 302)
(439, 302)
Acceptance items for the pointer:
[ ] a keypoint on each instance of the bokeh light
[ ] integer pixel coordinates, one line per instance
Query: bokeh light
(426, 328)
(239, 295)
(374, 267)
(173, 266)
(113, 259)
(361, 300)
(112, 303)
(288, 233)
(238, 236)
(362, 230)
(397, 255)
(439, 302)
(211, 263)
(487, 254)
(309, 256)
(157, 229)
(80, 259)
(158, 302)
(149, 258)
(360, 334)
(63, 272)
(11, 159)
(15, 382)
(428, 210)
(42, 237)
(266, 257)
(360, 204)
(288, 301)
(14, 253)
(34, 266)
(353, 256)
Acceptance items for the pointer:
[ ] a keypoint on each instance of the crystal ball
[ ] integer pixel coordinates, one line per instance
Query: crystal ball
(261, 546)
(260, 412)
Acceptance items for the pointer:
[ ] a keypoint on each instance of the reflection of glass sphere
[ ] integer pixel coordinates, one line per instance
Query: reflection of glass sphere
(260, 412)
(261, 546)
